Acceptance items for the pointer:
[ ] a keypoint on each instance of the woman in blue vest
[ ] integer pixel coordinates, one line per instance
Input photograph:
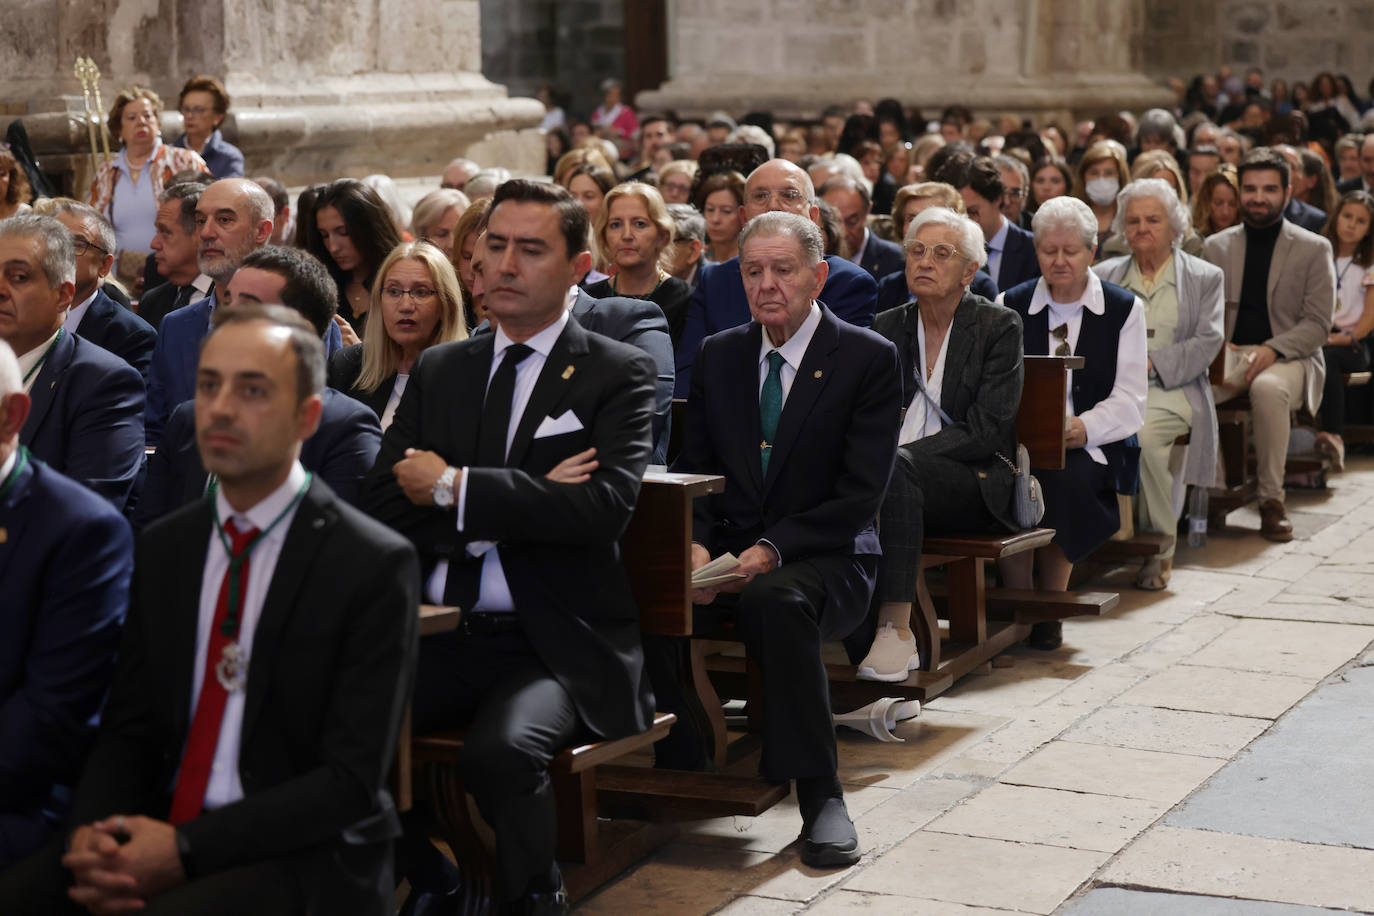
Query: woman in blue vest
(1069, 311)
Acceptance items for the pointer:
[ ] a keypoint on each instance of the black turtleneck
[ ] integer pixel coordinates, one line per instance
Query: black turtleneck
(1252, 316)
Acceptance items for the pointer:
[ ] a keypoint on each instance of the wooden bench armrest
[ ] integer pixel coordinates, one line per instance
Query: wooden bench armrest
(988, 547)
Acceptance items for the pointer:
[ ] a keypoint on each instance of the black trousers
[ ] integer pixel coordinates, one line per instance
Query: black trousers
(1339, 360)
(518, 717)
(927, 493)
(38, 886)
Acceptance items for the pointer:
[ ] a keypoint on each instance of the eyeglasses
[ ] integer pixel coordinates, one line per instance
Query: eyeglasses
(1016, 193)
(419, 295)
(762, 196)
(680, 188)
(1061, 334)
(940, 253)
(197, 110)
(80, 246)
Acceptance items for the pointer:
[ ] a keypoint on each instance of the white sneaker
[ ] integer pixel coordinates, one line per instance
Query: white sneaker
(891, 658)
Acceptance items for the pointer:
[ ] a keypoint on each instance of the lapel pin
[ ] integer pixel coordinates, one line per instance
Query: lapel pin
(568, 373)
(818, 373)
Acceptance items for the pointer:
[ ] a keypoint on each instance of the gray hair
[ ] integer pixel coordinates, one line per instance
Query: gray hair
(1004, 161)
(972, 244)
(485, 182)
(105, 233)
(430, 208)
(1157, 124)
(58, 259)
(752, 133)
(188, 192)
(10, 381)
(846, 183)
(259, 202)
(688, 224)
(1160, 190)
(1065, 213)
(805, 233)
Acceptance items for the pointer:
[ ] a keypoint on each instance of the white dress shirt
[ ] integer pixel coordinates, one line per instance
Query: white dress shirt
(30, 359)
(1122, 412)
(921, 419)
(494, 592)
(8, 466)
(863, 246)
(77, 312)
(393, 401)
(995, 246)
(224, 786)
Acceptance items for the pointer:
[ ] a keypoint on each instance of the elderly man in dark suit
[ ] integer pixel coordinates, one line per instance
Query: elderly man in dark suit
(720, 303)
(93, 314)
(516, 500)
(174, 247)
(962, 376)
(87, 415)
(65, 560)
(806, 465)
(853, 204)
(241, 765)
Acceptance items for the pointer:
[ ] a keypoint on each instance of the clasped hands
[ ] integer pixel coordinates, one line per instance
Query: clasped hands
(418, 471)
(1261, 358)
(121, 862)
(753, 561)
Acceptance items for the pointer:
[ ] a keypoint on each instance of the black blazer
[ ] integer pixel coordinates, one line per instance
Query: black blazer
(1305, 215)
(340, 453)
(344, 368)
(882, 257)
(163, 299)
(108, 324)
(832, 456)
(329, 677)
(558, 543)
(1019, 262)
(981, 391)
(671, 297)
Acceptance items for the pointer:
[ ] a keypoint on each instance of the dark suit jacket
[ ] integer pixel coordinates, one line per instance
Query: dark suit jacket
(65, 565)
(222, 158)
(882, 257)
(832, 456)
(893, 291)
(109, 325)
(329, 677)
(1350, 184)
(980, 391)
(558, 543)
(1305, 215)
(344, 368)
(161, 300)
(87, 417)
(340, 453)
(719, 303)
(1019, 262)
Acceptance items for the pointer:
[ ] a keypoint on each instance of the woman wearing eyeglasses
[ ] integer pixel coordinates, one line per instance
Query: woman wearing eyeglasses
(961, 370)
(204, 105)
(1069, 311)
(416, 295)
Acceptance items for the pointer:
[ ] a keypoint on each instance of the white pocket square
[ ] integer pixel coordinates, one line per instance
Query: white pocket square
(557, 426)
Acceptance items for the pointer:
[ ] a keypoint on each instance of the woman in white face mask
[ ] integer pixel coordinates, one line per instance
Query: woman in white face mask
(1102, 173)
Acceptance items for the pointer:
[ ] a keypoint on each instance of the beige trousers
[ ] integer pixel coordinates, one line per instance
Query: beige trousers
(1274, 395)
(1168, 415)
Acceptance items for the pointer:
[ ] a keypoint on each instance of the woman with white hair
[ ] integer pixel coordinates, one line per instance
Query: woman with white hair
(1069, 311)
(961, 371)
(436, 215)
(1184, 299)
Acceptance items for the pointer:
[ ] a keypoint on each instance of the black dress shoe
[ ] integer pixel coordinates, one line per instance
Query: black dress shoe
(1047, 634)
(427, 903)
(829, 839)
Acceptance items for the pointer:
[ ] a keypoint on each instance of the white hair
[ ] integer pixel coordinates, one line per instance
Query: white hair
(853, 168)
(391, 196)
(752, 133)
(1161, 191)
(1065, 213)
(485, 182)
(805, 233)
(972, 243)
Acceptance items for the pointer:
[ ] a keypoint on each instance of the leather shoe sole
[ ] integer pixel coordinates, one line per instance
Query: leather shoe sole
(830, 855)
(1274, 523)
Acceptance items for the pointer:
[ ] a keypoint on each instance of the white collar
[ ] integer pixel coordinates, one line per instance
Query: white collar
(999, 238)
(541, 343)
(1092, 300)
(795, 348)
(572, 296)
(202, 284)
(77, 312)
(30, 359)
(8, 466)
(267, 509)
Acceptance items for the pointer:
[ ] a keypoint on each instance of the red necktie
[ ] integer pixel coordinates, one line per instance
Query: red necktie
(199, 756)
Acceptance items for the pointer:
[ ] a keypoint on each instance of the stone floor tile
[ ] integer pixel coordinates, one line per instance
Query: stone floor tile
(1118, 771)
(1182, 641)
(759, 906)
(1098, 640)
(1027, 732)
(1248, 592)
(932, 738)
(1293, 648)
(979, 872)
(897, 817)
(778, 827)
(1238, 550)
(1226, 865)
(685, 879)
(1050, 817)
(1029, 681)
(1149, 728)
(851, 903)
(1312, 609)
(1219, 690)
(1099, 687)
(970, 769)
(1334, 584)
(1118, 901)
(1290, 567)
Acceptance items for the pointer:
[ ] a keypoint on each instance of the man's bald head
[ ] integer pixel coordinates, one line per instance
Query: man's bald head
(233, 218)
(780, 185)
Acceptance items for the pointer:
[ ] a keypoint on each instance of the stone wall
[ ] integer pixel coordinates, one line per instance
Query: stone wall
(1291, 39)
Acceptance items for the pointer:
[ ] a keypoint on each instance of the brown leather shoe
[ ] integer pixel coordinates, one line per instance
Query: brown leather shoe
(1274, 523)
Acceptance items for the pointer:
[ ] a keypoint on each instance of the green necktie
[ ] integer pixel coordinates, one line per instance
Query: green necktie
(770, 406)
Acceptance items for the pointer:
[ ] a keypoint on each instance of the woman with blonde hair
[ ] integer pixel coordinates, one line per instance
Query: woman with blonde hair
(1216, 202)
(676, 181)
(436, 216)
(417, 297)
(634, 232)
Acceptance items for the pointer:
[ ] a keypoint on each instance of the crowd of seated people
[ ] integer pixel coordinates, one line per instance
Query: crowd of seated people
(245, 432)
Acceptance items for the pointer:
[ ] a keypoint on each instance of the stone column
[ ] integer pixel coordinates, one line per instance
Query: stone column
(320, 88)
(1038, 58)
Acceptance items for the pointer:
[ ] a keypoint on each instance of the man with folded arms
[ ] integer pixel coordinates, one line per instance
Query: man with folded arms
(241, 764)
(516, 495)
(799, 411)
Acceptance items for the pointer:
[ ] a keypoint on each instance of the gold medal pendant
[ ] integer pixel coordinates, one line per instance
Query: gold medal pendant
(232, 670)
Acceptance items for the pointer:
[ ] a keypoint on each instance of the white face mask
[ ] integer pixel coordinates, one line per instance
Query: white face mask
(1102, 191)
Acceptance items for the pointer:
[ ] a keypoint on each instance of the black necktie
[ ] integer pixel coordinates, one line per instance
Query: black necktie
(491, 436)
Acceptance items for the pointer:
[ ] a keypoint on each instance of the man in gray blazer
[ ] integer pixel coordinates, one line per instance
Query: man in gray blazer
(1280, 298)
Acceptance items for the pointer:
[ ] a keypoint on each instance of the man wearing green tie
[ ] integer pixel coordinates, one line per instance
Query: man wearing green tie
(799, 411)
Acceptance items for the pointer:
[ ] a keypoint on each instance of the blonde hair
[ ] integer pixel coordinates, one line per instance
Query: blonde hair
(686, 167)
(431, 208)
(381, 354)
(128, 95)
(653, 205)
(1147, 163)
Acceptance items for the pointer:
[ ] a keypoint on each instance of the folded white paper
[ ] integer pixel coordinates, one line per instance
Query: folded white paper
(557, 426)
(718, 571)
(880, 717)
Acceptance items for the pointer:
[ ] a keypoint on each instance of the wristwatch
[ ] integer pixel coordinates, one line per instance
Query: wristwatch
(443, 488)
